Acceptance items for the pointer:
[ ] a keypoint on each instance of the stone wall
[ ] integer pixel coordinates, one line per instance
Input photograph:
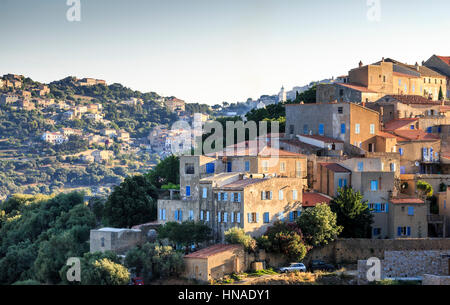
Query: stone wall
(352, 250)
(435, 280)
(116, 240)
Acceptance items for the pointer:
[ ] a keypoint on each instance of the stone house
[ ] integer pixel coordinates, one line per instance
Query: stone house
(408, 218)
(114, 239)
(214, 262)
(441, 64)
(353, 124)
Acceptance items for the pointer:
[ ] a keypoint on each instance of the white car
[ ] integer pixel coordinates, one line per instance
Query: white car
(294, 267)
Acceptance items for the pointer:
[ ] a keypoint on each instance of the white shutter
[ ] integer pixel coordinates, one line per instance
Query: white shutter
(249, 216)
(164, 214)
(257, 217)
(201, 215)
(232, 197)
(238, 217)
(207, 215)
(239, 197)
(225, 217)
(280, 195)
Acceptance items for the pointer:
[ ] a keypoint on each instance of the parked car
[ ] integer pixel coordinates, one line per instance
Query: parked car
(138, 281)
(321, 265)
(293, 267)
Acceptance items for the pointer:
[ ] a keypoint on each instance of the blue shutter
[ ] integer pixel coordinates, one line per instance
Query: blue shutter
(229, 167)
(176, 215)
(232, 197)
(409, 231)
(247, 166)
(399, 231)
(210, 168)
(266, 217)
(377, 208)
(340, 183)
(299, 212)
(239, 197)
(342, 128)
(431, 154)
(249, 218)
(400, 150)
(291, 216)
(321, 129)
(180, 215)
(387, 207)
(402, 170)
(188, 191)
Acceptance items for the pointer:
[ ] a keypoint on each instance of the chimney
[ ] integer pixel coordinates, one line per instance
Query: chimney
(360, 64)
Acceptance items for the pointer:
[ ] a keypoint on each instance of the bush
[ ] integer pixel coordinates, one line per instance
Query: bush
(238, 236)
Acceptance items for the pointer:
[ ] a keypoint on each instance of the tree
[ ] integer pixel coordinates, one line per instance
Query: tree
(353, 213)
(131, 203)
(319, 225)
(238, 236)
(284, 238)
(155, 261)
(186, 233)
(441, 94)
(308, 96)
(105, 272)
(424, 188)
(167, 171)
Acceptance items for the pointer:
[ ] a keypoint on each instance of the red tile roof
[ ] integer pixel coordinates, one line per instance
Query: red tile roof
(334, 167)
(414, 135)
(252, 148)
(322, 138)
(398, 123)
(445, 59)
(406, 200)
(413, 99)
(242, 183)
(385, 135)
(312, 199)
(356, 87)
(211, 251)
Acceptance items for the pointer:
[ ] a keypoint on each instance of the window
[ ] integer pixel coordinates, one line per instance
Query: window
(413, 88)
(229, 167)
(280, 195)
(294, 195)
(207, 215)
(219, 217)
(400, 150)
(445, 204)
(202, 215)
(205, 193)
(429, 129)
(266, 217)
(357, 128)
(253, 217)
(402, 170)
(224, 196)
(343, 128)
(162, 214)
(404, 231)
(233, 218)
(189, 169)
(392, 167)
(298, 169)
(412, 127)
(321, 129)
(238, 217)
(188, 191)
(342, 183)
(376, 231)
(410, 211)
(103, 241)
(340, 110)
(406, 88)
(282, 167)
(178, 215)
(360, 166)
(191, 215)
(399, 82)
(265, 165)
(374, 185)
(210, 168)
(294, 215)
(247, 166)
(266, 195)
(225, 217)
(372, 128)
(291, 129)
(305, 129)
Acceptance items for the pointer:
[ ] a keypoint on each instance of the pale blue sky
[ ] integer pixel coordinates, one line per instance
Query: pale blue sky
(211, 51)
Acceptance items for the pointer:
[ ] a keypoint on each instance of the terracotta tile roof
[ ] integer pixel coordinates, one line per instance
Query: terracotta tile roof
(385, 135)
(322, 138)
(406, 200)
(251, 148)
(444, 108)
(445, 59)
(334, 167)
(311, 199)
(413, 99)
(398, 123)
(240, 184)
(297, 143)
(211, 251)
(414, 135)
(404, 75)
(356, 87)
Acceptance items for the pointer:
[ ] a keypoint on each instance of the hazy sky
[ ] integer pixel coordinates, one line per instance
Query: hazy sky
(211, 51)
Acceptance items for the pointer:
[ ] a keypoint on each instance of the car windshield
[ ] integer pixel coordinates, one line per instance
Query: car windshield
(296, 265)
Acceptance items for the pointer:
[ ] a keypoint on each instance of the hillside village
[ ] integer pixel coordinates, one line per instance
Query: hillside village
(362, 171)
(380, 130)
